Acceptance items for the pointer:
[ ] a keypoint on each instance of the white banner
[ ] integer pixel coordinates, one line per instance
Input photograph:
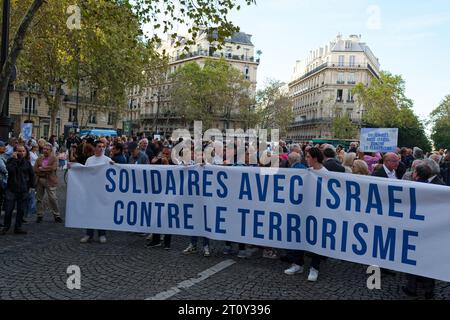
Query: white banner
(378, 139)
(399, 225)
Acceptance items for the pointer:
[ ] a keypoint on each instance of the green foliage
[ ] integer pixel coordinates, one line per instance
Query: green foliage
(386, 106)
(209, 93)
(274, 107)
(343, 128)
(440, 118)
(165, 16)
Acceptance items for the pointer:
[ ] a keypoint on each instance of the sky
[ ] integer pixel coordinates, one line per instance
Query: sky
(410, 38)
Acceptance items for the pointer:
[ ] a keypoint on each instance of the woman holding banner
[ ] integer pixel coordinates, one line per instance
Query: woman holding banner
(314, 157)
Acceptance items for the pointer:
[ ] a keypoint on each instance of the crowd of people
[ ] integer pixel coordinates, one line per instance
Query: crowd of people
(28, 171)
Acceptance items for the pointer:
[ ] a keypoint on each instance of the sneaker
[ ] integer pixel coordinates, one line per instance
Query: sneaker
(102, 239)
(153, 244)
(295, 268)
(313, 274)
(39, 220)
(148, 237)
(190, 249)
(85, 239)
(20, 231)
(227, 250)
(206, 252)
(242, 254)
(58, 219)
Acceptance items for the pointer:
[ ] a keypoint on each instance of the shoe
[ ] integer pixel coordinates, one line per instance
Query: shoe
(190, 249)
(153, 244)
(20, 231)
(269, 254)
(295, 268)
(227, 250)
(313, 274)
(408, 292)
(148, 237)
(102, 239)
(85, 239)
(242, 254)
(206, 252)
(39, 220)
(58, 219)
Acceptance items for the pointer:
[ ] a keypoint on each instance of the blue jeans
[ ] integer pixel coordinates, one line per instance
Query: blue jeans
(31, 204)
(194, 241)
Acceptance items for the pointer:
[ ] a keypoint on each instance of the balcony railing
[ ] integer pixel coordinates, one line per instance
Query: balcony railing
(320, 120)
(215, 55)
(337, 65)
(28, 111)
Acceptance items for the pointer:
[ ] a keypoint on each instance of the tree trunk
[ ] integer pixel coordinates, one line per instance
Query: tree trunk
(17, 46)
(54, 108)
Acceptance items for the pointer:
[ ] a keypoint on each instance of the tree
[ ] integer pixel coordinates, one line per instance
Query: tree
(274, 107)
(385, 105)
(212, 92)
(343, 128)
(157, 13)
(16, 48)
(440, 119)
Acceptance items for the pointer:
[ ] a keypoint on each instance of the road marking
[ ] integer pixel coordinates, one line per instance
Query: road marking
(193, 281)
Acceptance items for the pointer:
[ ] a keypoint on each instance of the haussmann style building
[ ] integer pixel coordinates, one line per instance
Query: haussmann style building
(321, 85)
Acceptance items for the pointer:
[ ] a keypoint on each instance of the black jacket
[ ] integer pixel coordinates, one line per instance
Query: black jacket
(380, 173)
(333, 165)
(445, 173)
(437, 181)
(20, 175)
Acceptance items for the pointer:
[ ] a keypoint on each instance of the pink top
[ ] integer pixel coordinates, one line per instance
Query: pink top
(371, 161)
(45, 162)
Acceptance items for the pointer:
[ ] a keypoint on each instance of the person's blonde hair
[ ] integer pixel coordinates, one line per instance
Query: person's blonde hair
(360, 167)
(348, 159)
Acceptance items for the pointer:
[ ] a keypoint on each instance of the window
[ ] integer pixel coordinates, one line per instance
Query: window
(92, 117)
(352, 61)
(348, 44)
(229, 52)
(350, 96)
(72, 114)
(339, 96)
(340, 79)
(111, 118)
(29, 105)
(341, 61)
(351, 78)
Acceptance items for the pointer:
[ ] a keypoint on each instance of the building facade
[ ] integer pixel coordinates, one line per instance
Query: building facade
(150, 108)
(28, 104)
(321, 86)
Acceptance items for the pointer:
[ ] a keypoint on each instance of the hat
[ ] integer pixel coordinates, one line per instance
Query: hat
(132, 146)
